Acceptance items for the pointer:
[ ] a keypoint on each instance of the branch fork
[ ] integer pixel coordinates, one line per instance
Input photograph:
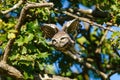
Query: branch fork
(4, 67)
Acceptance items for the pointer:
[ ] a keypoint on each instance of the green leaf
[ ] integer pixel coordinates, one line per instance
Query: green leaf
(114, 7)
(20, 41)
(28, 76)
(24, 50)
(3, 37)
(115, 34)
(13, 31)
(45, 18)
(15, 57)
(33, 26)
(28, 38)
(11, 35)
(28, 57)
(50, 69)
(82, 40)
(68, 73)
(41, 66)
(42, 55)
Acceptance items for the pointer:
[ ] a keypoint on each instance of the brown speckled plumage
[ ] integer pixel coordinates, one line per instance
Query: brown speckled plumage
(61, 39)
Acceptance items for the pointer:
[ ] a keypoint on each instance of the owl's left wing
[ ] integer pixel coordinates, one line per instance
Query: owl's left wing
(71, 26)
(49, 30)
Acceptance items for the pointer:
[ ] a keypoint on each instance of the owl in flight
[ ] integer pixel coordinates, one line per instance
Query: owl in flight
(61, 39)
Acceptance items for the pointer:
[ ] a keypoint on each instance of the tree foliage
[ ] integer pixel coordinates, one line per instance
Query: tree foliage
(98, 38)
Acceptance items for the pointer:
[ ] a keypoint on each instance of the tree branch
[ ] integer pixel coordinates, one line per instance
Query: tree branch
(19, 24)
(88, 11)
(113, 72)
(115, 49)
(97, 12)
(102, 74)
(50, 77)
(88, 65)
(14, 7)
(98, 50)
(81, 60)
(87, 20)
(4, 67)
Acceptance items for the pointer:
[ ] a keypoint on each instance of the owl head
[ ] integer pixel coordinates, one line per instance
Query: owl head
(61, 39)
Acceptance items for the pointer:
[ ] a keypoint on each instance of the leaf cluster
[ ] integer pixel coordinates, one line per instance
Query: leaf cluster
(31, 54)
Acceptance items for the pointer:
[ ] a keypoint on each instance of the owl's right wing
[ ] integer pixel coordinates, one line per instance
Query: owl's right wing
(49, 30)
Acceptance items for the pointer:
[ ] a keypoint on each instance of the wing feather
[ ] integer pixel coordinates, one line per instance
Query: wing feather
(71, 26)
(49, 30)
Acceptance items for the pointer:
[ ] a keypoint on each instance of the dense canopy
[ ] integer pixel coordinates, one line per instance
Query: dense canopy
(25, 52)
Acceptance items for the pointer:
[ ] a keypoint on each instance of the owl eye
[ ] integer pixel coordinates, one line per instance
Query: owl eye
(54, 41)
(63, 39)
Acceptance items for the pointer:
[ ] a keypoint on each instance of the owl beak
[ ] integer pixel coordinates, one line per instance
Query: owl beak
(59, 45)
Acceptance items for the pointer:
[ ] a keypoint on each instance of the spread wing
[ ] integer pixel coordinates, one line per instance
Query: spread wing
(49, 30)
(71, 26)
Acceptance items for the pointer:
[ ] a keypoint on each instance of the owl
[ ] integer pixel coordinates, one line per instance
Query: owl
(61, 39)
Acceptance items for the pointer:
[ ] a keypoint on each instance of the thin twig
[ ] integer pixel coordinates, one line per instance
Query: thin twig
(19, 24)
(113, 72)
(87, 20)
(102, 74)
(14, 7)
(88, 11)
(98, 50)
